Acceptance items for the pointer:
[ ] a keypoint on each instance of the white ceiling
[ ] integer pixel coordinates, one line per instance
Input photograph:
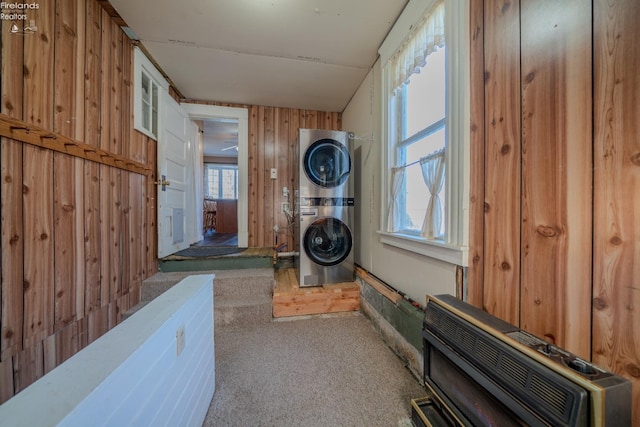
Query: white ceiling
(307, 54)
(220, 137)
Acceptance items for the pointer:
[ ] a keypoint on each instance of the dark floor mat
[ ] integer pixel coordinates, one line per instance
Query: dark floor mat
(208, 251)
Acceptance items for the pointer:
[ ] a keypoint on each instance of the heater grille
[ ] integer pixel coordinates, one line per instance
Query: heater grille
(535, 386)
(514, 371)
(553, 396)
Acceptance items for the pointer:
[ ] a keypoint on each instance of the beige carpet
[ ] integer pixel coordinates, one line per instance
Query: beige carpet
(320, 371)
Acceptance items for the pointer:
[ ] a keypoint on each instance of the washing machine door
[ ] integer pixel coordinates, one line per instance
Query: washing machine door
(327, 241)
(327, 163)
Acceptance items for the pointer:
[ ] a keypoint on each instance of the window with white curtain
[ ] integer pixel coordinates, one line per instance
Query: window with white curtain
(426, 129)
(220, 181)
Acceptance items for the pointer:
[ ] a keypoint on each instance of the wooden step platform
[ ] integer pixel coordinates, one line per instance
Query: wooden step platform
(291, 300)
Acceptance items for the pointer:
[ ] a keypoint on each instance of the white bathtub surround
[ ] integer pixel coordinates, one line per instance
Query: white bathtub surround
(155, 368)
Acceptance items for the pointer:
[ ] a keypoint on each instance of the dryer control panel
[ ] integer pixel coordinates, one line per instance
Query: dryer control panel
(327, 201)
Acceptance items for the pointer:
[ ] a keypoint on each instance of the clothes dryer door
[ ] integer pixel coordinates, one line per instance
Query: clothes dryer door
(327, 241)
(327, 163)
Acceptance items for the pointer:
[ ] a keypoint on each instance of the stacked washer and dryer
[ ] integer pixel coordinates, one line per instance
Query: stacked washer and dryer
(326, 208)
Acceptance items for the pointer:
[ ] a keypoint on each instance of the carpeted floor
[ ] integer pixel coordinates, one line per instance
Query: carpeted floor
(321, 371)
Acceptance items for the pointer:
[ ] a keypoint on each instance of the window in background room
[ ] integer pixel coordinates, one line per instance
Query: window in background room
(220, 181)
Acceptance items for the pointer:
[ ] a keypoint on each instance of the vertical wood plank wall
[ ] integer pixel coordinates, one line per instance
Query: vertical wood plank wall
(572, 217)
(475, 272)
(616, 249)
(556, 171)
(78, 237)
(502, 160)
(273, 143)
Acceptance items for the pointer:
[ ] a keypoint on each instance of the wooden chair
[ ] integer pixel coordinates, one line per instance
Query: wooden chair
(210, 207)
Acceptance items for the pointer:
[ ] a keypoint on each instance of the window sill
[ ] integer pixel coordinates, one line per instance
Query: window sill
(457, 255)
(145, 131)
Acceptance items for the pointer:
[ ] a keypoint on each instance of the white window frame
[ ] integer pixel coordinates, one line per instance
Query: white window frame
(142, 64)
(221, 166)
(454, 248)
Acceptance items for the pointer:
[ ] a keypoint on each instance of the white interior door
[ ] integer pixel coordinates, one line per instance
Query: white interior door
(173, 156)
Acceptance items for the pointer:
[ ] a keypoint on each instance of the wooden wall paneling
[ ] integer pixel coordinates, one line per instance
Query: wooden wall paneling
(49, 353)
(117, 82)
(105, 172)
(92, 246)
(227, 216)
(269, 184)
(136, 210)
(557, 172)
(69, 69)
(38, 183)
(260, 180)
(151, 214)
(28, 366)
(282, 162)
(97, 323)
(327, 120)
(115, 234)
(293, 185)
(311, 119)
(11, 78)
(122, 306)
(38, 69)
(92, 130)
(6, 380)
(92, 73)
(11, 286)
(69, 240)
(39, 246)
(502, 160)
(118, 198)
(68, 171)
(113, 313)
(475, 273)
(126, 261)
(616, 292)
(252, 175)
(66, 342)
(105, 235)
(130, 148)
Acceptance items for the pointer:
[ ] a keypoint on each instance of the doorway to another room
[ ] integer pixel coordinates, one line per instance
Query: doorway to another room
(220, 182)
(224, 195)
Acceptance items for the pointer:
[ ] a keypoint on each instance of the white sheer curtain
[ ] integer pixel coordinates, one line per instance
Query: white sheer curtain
(427, 36)
(393, 218)
(433, 175)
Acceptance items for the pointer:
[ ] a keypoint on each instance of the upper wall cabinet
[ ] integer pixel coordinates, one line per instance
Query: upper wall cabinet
(148, 82)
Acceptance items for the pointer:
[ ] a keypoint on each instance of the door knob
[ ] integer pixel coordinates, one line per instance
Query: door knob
(163, 182)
